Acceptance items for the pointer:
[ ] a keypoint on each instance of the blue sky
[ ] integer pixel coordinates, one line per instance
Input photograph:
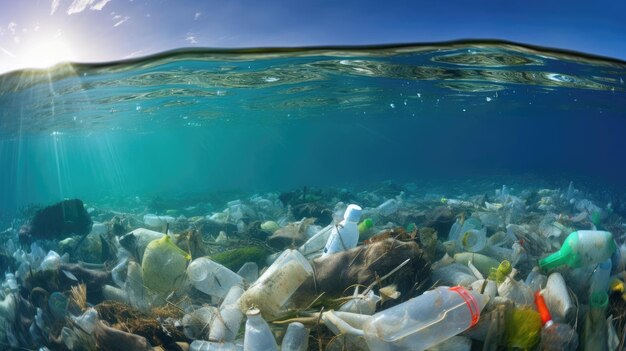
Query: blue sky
(40, 32)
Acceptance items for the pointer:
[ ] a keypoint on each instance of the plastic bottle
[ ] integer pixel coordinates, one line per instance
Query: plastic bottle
(554, 336)
(11, 282)
(473, 240)
(226, 326)
(296, 338)
(425, 320)
(581, 248)
(364, 228)
(345, 235)
(595, 333)
(258, 336)
(557, 298)
(275, 286)
(202, 345)
(249, 272)
(153, 220)
(211, 277)
(387, 208)
(601, 277)
(314, 247)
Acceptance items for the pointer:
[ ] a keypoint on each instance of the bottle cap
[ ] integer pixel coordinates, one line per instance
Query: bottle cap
(253, 312)
(353, 213)
(542, 308)
(197, 270)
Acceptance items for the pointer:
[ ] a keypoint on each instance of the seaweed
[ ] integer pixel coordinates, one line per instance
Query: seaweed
(235, 258)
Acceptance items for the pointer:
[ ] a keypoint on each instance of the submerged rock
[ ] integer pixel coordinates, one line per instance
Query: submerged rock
(67, 217)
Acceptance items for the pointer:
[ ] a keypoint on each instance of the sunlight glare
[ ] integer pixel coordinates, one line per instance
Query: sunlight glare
(47, 53)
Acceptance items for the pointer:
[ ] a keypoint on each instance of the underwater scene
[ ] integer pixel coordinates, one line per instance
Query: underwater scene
(449, 196)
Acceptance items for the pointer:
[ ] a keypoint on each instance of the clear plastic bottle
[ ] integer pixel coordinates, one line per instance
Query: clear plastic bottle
(595, 333)
(473, 240)
(275, 286)
(258, 336)
(388, 207)
(226, 325)
(202, 345)
(582, 248)
(601, 277)
(211, 277)
(424, 321)
(345, 235)
(296, 338)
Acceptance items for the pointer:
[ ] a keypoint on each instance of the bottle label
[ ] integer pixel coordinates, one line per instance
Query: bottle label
(471, 303)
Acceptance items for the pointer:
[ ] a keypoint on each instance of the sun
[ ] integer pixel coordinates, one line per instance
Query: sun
(45, 53)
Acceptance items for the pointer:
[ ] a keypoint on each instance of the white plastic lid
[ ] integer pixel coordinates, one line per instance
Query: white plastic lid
(353, 213)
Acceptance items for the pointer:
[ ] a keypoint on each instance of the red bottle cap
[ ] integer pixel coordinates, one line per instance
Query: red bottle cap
(542, 308)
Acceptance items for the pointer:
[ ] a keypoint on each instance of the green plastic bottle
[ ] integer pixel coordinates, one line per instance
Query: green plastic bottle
(581, 248)
(366, 225)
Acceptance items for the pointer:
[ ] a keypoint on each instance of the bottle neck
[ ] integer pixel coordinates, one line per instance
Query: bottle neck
(553, 261)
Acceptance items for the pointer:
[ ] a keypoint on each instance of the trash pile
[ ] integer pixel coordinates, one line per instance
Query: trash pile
(310, 269)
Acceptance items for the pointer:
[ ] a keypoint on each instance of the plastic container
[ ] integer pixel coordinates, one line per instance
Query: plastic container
(581, 248)
(345, 235)
(87, 321)
(460, 227)
(258, 336)
(52, 261)
(275, 286)
(11, 281)
(473, 240)
(558, 299)
(363, 304)
(296, 338)
(424, 321)
(211, 277)
(554, 336)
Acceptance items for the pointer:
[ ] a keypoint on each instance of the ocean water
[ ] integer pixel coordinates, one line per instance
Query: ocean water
(526, 144)
(197, 121)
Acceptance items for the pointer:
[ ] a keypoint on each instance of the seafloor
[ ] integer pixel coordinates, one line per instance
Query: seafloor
(91, 279)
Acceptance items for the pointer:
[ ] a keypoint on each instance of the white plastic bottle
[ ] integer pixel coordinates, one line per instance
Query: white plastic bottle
(258, 336)
(345, 235)
(211, 277)
(424, 321)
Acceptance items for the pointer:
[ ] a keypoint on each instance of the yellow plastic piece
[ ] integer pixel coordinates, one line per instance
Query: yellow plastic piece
(164, 265)
(523, 328)
(617, 286)
(499, 274)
